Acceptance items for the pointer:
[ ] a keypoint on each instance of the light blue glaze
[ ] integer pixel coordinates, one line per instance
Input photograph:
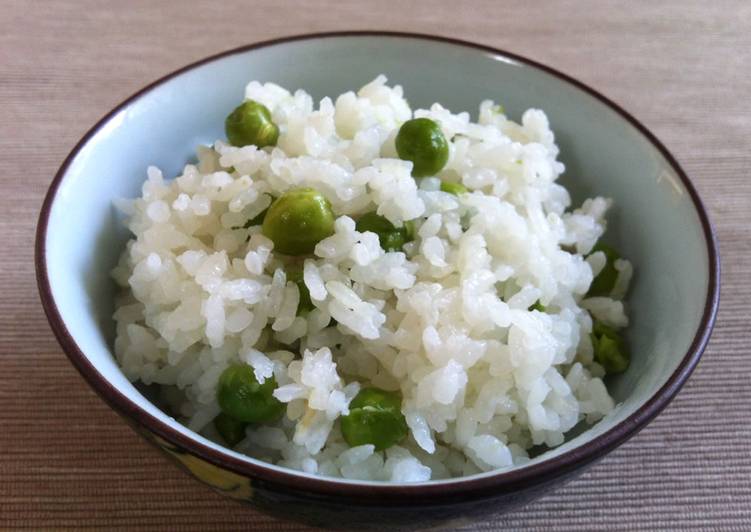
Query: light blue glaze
(654, 222)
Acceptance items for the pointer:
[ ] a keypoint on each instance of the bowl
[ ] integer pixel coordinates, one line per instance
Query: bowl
(658, 221)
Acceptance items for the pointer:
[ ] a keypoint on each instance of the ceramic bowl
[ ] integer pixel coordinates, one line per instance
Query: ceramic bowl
(658, 222)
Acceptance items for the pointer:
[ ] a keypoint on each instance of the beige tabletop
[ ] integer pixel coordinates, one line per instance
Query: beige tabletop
(683, 68)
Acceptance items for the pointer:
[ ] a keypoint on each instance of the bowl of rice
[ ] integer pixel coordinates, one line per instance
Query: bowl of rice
(377, 279)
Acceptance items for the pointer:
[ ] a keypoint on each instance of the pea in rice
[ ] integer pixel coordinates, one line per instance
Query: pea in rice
(480, 323)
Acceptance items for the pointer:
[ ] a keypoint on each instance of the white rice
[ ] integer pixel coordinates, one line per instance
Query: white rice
(446, 323)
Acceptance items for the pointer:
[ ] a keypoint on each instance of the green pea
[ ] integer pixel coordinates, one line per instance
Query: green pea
(609, 348)
(250, 123)
(231, 430)
(537, 306)
(241, 396)
(306, 304)
(411, 228)
(421, 141)
(453, 188)
(297, 220)
(604, 282)
(374, 417)
(390, 237)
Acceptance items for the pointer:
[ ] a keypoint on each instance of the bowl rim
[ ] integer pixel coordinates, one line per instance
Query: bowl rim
(449, 490)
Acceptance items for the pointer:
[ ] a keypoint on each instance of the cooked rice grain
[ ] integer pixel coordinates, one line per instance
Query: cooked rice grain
(446, 322)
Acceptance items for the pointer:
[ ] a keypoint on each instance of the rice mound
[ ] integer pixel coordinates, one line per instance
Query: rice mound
(446, 322)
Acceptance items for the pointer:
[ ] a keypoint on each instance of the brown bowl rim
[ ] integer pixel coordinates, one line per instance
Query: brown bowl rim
(446, 491)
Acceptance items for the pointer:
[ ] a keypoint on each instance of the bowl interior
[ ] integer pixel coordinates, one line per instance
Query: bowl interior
(654, 221)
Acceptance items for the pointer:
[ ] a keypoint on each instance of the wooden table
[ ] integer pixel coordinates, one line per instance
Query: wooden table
(683, 68)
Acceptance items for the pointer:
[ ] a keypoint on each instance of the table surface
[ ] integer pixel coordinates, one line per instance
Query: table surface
(683, 68)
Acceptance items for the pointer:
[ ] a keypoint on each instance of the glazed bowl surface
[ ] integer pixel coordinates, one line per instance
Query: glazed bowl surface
(657, 221)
